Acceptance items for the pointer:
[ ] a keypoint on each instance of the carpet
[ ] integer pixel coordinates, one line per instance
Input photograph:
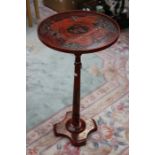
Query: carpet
(50, 75)
(104, 98)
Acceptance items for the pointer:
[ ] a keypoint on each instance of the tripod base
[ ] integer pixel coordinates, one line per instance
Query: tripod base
(77, 136)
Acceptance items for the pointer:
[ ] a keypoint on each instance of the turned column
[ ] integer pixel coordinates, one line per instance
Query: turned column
(76, 93)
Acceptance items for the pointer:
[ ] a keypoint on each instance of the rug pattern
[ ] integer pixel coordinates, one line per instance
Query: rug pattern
(108, 105)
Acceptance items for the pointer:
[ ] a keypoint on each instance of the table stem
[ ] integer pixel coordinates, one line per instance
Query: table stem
(76, 93)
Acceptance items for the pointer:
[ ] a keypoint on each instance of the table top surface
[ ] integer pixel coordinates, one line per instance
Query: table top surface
(78, 32)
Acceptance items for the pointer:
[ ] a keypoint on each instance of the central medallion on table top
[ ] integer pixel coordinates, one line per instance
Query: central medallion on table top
(78, 29)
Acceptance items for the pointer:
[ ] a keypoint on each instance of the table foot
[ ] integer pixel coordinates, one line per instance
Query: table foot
(77, 136)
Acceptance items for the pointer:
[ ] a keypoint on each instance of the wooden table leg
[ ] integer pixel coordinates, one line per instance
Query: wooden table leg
(28, 11)
(74, 127)
(36, 7)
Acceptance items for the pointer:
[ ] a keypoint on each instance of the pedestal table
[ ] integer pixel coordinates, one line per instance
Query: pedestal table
(77, 32)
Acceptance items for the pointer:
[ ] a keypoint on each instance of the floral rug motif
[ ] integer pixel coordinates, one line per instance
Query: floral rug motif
(108, 105)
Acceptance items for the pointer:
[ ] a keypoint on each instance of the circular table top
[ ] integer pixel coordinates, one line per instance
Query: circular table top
(78, 32)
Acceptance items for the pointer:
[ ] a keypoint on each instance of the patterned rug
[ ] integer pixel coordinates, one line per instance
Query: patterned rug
(108, 105)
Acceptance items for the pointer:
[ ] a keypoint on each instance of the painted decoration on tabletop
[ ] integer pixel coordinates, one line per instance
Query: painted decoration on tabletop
(78, 31)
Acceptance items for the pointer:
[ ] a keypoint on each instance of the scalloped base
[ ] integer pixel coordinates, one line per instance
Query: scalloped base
(77, 137)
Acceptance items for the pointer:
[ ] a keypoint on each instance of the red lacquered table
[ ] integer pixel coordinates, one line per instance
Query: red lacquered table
(77, 32)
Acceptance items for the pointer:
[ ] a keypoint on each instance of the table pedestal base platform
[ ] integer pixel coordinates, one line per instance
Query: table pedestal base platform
(77, 136)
